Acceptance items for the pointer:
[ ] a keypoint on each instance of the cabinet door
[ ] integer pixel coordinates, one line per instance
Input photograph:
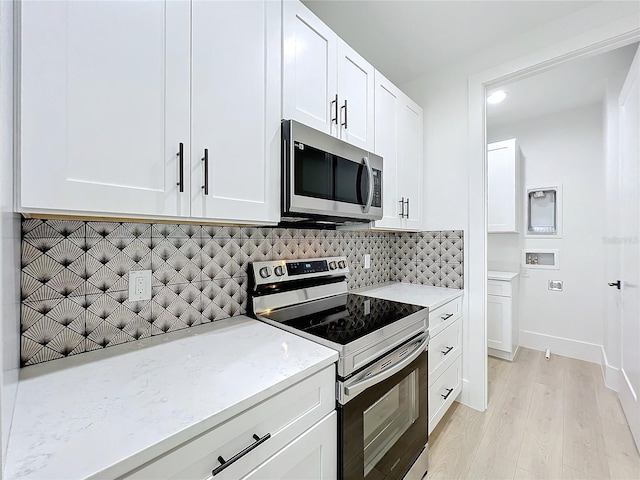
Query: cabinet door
(235, 110)
(410, 162)
(387, 112)
(310, 69)
(313, 455)
(355, 98)
(104, 106)
(499, 323)
(502, 187)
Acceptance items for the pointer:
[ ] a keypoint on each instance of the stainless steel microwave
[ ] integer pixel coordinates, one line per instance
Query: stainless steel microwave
(326, 180)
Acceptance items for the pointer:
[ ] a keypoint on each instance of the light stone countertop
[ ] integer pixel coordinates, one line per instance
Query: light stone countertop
(110, 411)
(496, 275)
(423, 295)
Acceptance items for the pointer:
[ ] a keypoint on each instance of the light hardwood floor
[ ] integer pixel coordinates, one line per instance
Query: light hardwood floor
(547, 419)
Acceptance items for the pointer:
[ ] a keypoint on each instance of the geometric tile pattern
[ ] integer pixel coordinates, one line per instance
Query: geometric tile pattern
(75, 275)
(430, 258)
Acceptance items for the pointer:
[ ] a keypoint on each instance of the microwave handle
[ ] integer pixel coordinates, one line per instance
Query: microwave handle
(367, 206)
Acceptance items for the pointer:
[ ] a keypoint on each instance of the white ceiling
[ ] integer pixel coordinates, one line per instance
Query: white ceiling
(570, 85)
(406, 39)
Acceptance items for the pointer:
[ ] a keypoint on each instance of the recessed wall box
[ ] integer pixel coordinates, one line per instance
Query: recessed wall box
(541, 258)
(544, 211)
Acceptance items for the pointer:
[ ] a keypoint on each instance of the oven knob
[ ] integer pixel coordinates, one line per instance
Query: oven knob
(332, 265)
(342, 264)
(279, 270)
(265, 272)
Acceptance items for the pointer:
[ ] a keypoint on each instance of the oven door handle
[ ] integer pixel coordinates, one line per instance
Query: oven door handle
(359, 387)
(367, 206)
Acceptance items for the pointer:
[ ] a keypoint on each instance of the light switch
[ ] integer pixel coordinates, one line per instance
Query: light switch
(139, 285)
(367, 261)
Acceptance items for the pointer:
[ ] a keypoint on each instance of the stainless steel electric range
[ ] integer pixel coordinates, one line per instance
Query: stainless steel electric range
(382, 368)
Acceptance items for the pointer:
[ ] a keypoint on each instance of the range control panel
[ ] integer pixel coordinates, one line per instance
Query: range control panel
(285, 270)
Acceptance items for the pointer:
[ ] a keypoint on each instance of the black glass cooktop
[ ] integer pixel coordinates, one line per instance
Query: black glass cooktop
(343, 318)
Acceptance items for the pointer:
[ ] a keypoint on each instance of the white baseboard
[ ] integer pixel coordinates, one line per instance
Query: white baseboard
(589, 352)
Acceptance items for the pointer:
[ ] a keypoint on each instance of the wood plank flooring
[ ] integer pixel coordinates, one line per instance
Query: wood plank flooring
(547, 419)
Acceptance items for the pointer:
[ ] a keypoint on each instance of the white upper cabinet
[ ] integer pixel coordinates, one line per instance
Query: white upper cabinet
(112, 93)
(104, 107)
(503, 187)
(310, 69)
(326, 84)
(398, 139)
(355, 98)
(235, 110)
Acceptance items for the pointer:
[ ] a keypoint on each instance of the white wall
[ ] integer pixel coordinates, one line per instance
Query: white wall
(450, 97)
(9, 234)
(565, 148)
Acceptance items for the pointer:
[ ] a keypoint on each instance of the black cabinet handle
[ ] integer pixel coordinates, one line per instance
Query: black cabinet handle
(345, 114)
(446, 316)
(205, 159)
(402, 205)
(407, 207)
(225, 463)
(334, 102)
(449, 390)
(446, 352)
(180, 155)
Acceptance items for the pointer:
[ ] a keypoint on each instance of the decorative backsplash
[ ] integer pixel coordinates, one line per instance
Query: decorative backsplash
(75, 275)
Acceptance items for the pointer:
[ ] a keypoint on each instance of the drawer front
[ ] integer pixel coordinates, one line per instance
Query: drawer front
(498, 287)
(448, 385)
(443, 316)
(284, 416)
(444, 348)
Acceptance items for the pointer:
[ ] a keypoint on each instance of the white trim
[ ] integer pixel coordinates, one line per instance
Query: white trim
(589, 352)
(612, 376)
(604, 38)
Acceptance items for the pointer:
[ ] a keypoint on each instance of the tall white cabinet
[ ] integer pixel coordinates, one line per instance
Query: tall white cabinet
(327, 85)
(398, 139)
(504, 187)
(119, 103)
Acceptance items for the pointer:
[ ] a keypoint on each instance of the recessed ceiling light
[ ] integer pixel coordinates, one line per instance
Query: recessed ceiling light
(497, 97)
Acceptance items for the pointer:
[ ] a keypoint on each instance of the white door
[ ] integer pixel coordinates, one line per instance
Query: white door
(309, 69)
(355, 98)
(410, 163)
(104, 107)
(499, 322)
(629, 103)
(235, 110)
(501, 189)
(313, 455)
(387, 111)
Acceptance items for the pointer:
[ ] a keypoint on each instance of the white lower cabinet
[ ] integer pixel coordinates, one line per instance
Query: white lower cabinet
(445, 359)
(313, 455)
(502, 318)
(293, 434)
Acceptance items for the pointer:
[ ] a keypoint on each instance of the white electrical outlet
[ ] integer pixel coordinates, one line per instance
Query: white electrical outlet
(139, 285)
(367, 261)
(525, 272)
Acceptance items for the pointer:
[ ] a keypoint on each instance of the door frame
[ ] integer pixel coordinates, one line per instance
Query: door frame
(610, 36)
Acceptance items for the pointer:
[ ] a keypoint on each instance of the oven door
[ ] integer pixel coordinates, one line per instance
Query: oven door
(326, 176)
(383, 425)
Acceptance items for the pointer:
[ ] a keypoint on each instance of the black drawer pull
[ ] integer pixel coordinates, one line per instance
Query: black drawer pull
(446, 352)
(334, 102)
(344, 124)
(225, 463)
(449, 390)
(446, 316)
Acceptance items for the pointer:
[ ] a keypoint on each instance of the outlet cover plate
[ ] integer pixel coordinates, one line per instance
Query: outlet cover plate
(555, 285)
(367, 260)
(139, 285)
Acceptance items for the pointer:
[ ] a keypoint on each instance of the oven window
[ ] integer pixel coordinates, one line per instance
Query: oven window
(388, 419)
